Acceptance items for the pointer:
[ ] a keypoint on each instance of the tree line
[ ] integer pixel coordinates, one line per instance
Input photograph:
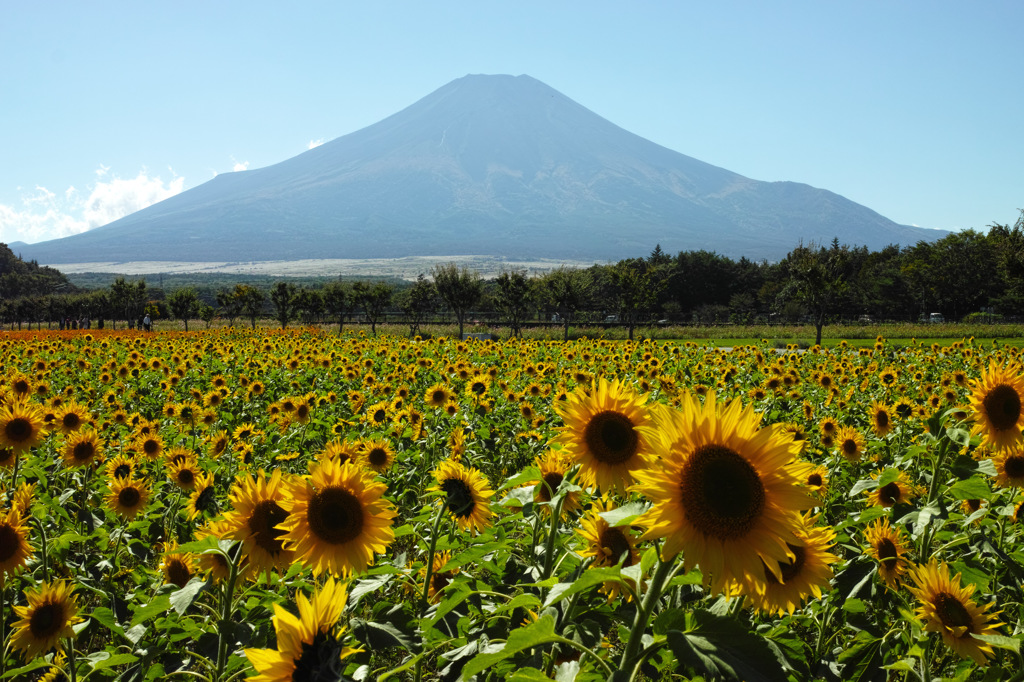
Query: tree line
(963, 273)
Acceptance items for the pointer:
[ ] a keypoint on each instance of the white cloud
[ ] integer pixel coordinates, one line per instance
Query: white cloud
(44, 215)
(240, 166)
(315, 143)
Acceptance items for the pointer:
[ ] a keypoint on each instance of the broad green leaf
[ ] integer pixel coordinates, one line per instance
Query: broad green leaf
(974, 488)
(528, 675)
(862, 658)
(183, 598)
(537, 633)
(160, 605)
(971, 576)
(530, 473)
(624, 515)
(116, 659)
(1001, 642)
(722, 647)
(590, 578)
(18, 673)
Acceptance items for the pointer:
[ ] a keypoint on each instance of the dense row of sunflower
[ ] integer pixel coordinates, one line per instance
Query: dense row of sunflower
(309, 506)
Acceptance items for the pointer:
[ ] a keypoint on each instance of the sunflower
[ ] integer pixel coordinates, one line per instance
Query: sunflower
(553, 469)
(437, 395)
(804, 574)
(888, 546)
(947, 608)
(1009, 463)
(70, 417)
(608, 545)
(881, 418)
(606, 434)
(178, 567)
(309, 646)
(21, 426)
(215, 563)
(8, 457)
(816, 479)
(14, 547)
(151, 445)
(338, 518)
(898, 491)
(257, 509)
(851, 444)
(203, 499)
(377, 455)
(996, 402)
(218, 443)
(438, 579)
(81, 448)
(120, 466)
(467, 494)
(340, 451)
(725, 491)
(51, 612)
(184, 473)
(128, 496)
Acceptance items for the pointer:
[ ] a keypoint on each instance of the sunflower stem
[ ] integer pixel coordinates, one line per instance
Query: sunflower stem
(549, 545)
(430, 559)
(69, 646)
(225, 621)
(643, 613)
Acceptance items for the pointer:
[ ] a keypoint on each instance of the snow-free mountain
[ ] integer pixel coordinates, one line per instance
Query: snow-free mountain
(486, 165)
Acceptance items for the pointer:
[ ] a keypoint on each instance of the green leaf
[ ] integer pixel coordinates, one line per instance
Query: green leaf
(537, 633)
(366, 586)
(722, 647)
(474, 553)
(862, 485)
(1001, 642)
(183, 598)
(158, 607)
(971, 575)
(530, 473)
(670, 619)
(974, 488)
(590, 578)
(116, 659)
(105, 617)
(862, 658)
(624, 515)
(528, 675)
(888, 476)
(18, 672)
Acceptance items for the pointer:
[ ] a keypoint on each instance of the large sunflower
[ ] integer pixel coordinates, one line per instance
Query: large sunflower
(82, 448)
(309, 646)
(203, 499)
(14, 547)
(21, 426)
(178, 567)
(1009, 464)
(881, 418)
(128, 496)
(850, 443)
(947, 608)
(467, 494)
(726, 492)
(258, 508)
(377, 455)
(337, 518)
(886, 544)
(51, 612)
(898, 491)
(71, 417)
(998, 405)
(606, 433)
(806, 573)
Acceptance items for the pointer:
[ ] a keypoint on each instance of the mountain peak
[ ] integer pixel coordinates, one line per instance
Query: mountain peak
(494, 165)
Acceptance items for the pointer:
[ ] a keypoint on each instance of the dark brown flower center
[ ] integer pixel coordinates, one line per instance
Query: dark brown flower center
(788, 569)
(129, 497)
(814, 480)
(263, 522)
(549, 486)
(1002, 406)
(1014, 466)
(882, 419)
(186, 478)
(18, 430)
(952, 612)
(611, 438)
(335, 515)
(178, 573)
(888, 555)
(616, 542)
(83, 451)
(890, 493)
(377, 457)
(721, 493)
(849, 447)
(459, 497)
(10, 541)
(46, 620)
(70, 421)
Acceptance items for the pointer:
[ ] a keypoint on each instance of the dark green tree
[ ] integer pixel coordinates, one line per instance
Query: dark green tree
(374, 300)
(817, 279)
(184, 304)
(339, 301)
(459, 288)
(416, 302)
(513, 298)
(283, 297)
(567, 290)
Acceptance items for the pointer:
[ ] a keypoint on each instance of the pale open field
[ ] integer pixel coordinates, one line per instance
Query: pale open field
(406, 268)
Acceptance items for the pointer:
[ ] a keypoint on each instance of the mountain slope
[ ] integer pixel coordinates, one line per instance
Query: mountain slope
(488, 165)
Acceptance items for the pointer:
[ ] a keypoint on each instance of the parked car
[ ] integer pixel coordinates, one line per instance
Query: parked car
(611, 319)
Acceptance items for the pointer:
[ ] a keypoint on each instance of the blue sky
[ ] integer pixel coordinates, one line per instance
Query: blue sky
(913, 109)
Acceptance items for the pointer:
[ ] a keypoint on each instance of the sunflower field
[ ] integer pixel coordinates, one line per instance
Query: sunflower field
(302, 505)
